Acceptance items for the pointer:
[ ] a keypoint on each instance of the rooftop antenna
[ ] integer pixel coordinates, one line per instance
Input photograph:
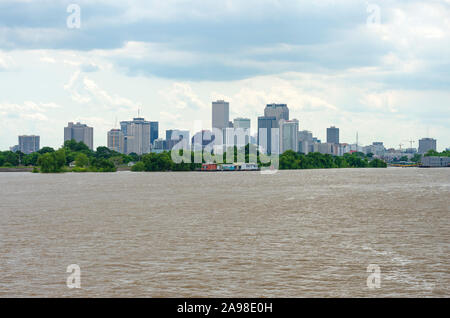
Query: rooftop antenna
(115, 123)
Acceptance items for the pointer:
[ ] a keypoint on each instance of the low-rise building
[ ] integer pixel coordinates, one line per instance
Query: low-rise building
(435, 162)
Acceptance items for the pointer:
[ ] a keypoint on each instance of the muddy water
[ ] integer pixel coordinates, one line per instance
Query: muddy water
(292, 234)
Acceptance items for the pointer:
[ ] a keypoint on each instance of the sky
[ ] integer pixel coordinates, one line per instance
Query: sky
(377, 68)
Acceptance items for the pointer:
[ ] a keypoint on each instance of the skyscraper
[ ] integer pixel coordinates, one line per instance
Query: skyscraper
(137, 136)
(29, 144)
(279, 111)
(80, 132)
(116, 140)
(174, 136)
(239, 137)
(305, 141)
(154, 131)
(220, 114)
(241, 123)
(333, 135)
(289, 135)
(426, 144)
(265, 125)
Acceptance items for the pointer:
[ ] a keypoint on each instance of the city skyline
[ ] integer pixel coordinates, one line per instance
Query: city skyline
(341, 69)
(271, 112)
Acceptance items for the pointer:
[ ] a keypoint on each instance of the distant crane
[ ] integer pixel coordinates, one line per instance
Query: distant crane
(411, 142)
(400, 145)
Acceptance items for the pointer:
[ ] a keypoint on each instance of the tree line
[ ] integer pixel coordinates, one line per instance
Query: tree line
(72, 153)
(289, 160)
(77, 157)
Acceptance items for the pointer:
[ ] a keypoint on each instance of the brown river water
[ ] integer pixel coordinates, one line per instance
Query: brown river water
(304, 233)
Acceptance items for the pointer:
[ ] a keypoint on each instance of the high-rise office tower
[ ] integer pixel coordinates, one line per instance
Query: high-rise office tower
(80, 132)
(220, 114)
(154, 131)
(289, 135)
(137, 136)
(265, 125)
(239, 137)
(116, 140)
(426, 144)
(174, 136)
(279, 111)
(29, 144)
(333, 135)
(202, 139)
(241, 123)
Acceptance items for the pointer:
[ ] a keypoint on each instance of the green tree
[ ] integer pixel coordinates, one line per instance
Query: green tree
(417, 158)
(81, 160)
(47, 162)
(377, 163)
(140, 166)
(11, 157)
(45, 150)
(103, 165)
(52, 162)
(431, 153)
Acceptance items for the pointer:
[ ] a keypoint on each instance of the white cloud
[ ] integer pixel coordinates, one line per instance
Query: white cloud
(84, 90)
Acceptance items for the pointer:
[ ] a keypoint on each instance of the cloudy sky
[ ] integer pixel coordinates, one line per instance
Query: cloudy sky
(379, 68)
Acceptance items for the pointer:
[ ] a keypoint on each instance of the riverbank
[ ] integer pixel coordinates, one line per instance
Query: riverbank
(16, 169)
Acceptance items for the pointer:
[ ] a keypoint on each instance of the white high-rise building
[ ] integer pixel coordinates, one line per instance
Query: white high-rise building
(137, 136)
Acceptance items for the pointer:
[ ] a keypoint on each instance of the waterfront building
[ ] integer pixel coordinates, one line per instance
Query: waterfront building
(333, 135)
(435, 161)
(80, 132)
(426, 144)
(28, 144)
(116, 140)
